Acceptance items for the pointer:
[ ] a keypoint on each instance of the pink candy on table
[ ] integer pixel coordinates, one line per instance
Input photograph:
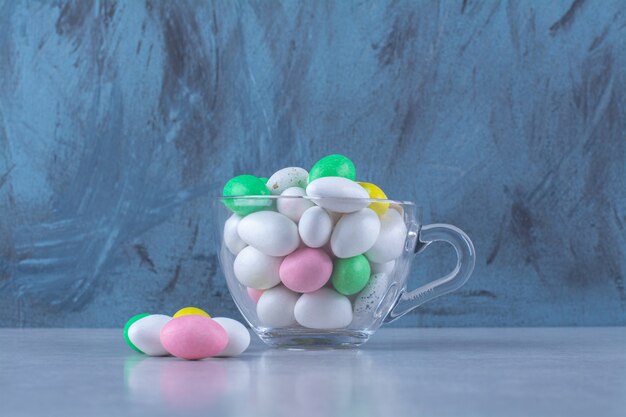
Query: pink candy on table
(306, 270)
(193, 337)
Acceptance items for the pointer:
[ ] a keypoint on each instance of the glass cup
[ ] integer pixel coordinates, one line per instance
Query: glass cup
(383, 300)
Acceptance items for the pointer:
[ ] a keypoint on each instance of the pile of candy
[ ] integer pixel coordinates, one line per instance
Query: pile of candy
(307, 260)
(190, 334)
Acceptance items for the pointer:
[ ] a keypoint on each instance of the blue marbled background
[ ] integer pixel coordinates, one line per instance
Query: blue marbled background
(120, 121)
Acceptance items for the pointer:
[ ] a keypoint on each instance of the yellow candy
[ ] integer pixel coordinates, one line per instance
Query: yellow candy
(375, 192)
(190, 311)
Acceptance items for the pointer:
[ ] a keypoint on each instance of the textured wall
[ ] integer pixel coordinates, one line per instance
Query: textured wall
(120, 121)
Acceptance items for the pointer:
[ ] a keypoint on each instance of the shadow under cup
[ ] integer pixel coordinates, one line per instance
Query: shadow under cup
(383, 299)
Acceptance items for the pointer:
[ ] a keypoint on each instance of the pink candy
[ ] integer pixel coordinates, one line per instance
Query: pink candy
(306, 270)
(193, 337)
(254, 294)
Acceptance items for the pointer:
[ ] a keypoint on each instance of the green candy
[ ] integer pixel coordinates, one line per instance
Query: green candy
(333, 166)
(244, 185)
(350, 275)
(127, 326)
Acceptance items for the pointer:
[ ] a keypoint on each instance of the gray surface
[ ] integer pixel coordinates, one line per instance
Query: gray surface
(119, 121)
(418, 372)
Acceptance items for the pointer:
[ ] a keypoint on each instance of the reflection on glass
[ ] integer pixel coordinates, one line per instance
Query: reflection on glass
(186, 385)
(275, 383)
(328, 383)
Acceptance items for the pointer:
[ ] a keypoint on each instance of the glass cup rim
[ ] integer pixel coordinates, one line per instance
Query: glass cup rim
(305, 197)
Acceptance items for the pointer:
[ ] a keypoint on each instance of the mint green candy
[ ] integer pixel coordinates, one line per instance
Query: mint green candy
(243, 185)
(333, 166)
(246, 185)
(127, 326)
(350, 275)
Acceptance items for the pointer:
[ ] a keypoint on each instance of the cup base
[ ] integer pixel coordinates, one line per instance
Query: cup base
(307, 339)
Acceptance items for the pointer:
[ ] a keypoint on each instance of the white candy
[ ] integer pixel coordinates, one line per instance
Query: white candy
(286, 178)
(323, 309)
(367, 300)
(145, 334)
(238, 336)
(355, 233)
(315, 227)
(256, 270)
(385, 268)
(293, 207)
(338, 194)
(275, 307)
(334, 216)
(390, 242)
(231, 238)
(272, 233)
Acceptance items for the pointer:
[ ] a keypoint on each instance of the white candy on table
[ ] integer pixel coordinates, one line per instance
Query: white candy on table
(231, 238)
(315, 227)
(145, 334)
(270, 232)
(293, 207)
(287, 178)
(384, 268)
(337, 194)
(256, 270)
(323, 309)
(355, 233)
(390, 242)
(276, 307)
(367, 300)
(238, 336)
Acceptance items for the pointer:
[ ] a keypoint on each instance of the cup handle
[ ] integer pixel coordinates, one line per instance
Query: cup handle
(466, 258)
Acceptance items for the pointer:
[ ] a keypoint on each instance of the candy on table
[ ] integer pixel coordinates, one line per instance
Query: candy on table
(190, 334)
(185, 311)
(284, 252)
(143, 333)
(238, 337)
(257, 270)
(127, 326)
(193, 337)
(287, 178)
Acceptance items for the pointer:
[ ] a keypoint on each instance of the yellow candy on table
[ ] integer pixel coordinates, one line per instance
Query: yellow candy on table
(187, 311)
(375, 192)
